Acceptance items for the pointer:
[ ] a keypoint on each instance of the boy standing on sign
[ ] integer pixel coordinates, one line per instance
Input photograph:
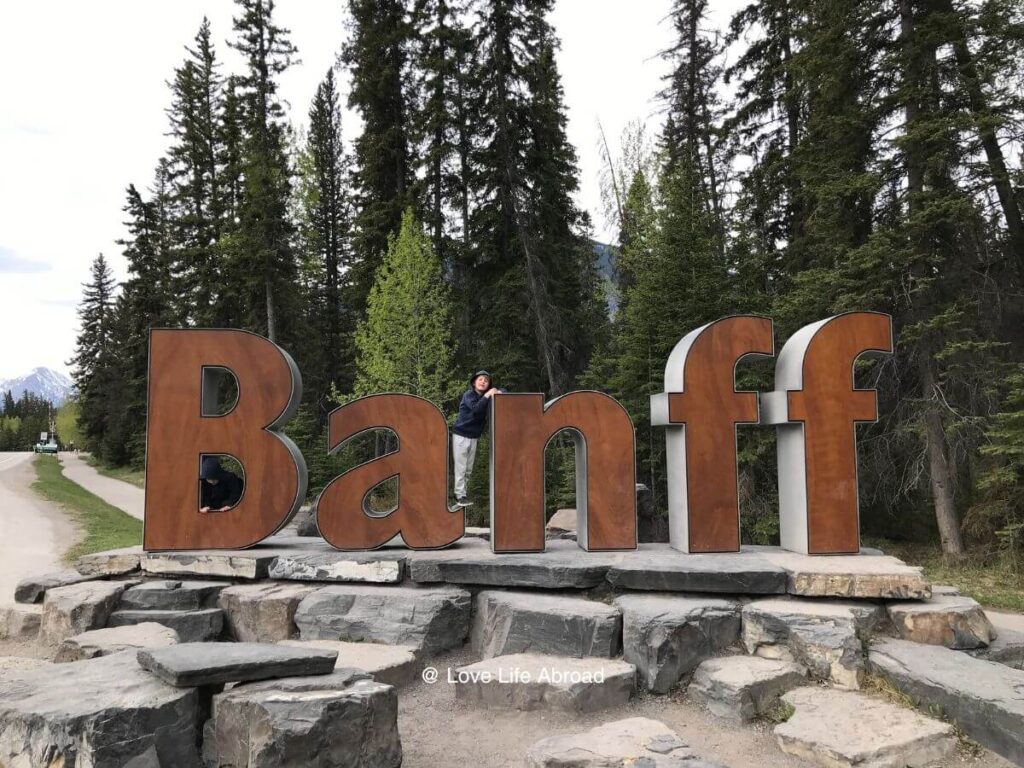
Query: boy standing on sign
(467, 430)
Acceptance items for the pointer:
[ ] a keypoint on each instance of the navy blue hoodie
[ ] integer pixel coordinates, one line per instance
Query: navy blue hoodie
(472, 412)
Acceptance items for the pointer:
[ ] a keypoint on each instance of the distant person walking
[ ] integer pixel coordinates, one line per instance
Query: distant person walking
(467, 430)
(219, 490)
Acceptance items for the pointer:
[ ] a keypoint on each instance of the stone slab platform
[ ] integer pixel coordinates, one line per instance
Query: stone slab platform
(754, 570)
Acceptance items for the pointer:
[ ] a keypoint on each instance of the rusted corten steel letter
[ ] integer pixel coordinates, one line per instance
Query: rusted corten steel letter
(702, 409)
(420, 464)
(180, 432)
(521, 428)
(816, 408)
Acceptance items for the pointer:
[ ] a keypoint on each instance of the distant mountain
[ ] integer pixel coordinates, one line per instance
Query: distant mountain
(42, 382)
(606, 255)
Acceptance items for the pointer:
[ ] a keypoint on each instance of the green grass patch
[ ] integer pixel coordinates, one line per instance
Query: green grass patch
(989, 579)
(105, 527)
(136, 477)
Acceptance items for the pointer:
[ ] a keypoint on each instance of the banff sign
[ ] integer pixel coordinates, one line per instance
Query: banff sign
(815, 409)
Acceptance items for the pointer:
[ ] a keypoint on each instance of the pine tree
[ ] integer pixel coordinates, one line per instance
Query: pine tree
(376, 55)
(438, 61)
(197, 197)
(324, 229)
(531, 259)
(94, 315)
(405, 343)
(262, 256)
(147, 300)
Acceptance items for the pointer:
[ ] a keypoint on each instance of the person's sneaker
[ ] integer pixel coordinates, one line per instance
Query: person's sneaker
(464, 502)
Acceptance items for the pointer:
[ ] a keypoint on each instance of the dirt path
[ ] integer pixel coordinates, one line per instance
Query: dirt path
(117, 493)
(438, 730)
(34, 534)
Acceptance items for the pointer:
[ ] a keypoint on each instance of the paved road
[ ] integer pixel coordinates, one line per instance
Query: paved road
(34, 533)
(117, 493)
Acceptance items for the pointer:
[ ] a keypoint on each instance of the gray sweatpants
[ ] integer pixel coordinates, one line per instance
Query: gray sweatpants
(463, 454)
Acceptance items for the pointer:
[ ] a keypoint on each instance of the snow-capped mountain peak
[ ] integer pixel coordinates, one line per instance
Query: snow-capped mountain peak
(43, 382)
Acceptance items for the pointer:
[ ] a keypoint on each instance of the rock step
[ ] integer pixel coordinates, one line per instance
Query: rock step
(104, 642)
(528, 622)
(171, 595)
(113, 562)
(106, 711)
(77, 608)
(983, 698)
(563, 565)
(430, 619)
(1008, 646)
(338, 719)
(824, 636)
(636, 741)
(742, 688)
(33, 588)
(667, 636)
(845, 728)
(263, 613)
(395, 665)
(665, 569)
(529, 681)
(191, 626)
(192, 664)
(953, 621)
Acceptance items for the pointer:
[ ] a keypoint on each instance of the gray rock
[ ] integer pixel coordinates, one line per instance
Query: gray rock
(115, 562)
(666, 636)
(825, 636)
(520, 622)
(983, 698)
(395, 665)
(21, 664)
(191, 626)
(78, 608)
(470, 561)
(885, 735)
(284, 557)
(477, 533)
(530, 681)
(340, 719)
(850, 576)
(636, 741)
(191, 664)
(104, 642)
(944, 589)
(101, 713)
(950, 620)
(654, 567)
(741, 688)
(172, 595)
(32, 589)
(263, 613)
(1008, 646)
(384, 566)
(563, 521)
(431, 619)
(305, 522)
(231, 564)
(20, 622)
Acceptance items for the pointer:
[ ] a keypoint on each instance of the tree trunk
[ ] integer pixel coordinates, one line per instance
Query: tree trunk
(993, 152)
(940, 474)
(271, 313)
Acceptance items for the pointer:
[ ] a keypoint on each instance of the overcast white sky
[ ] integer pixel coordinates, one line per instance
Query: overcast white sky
(83, 96)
